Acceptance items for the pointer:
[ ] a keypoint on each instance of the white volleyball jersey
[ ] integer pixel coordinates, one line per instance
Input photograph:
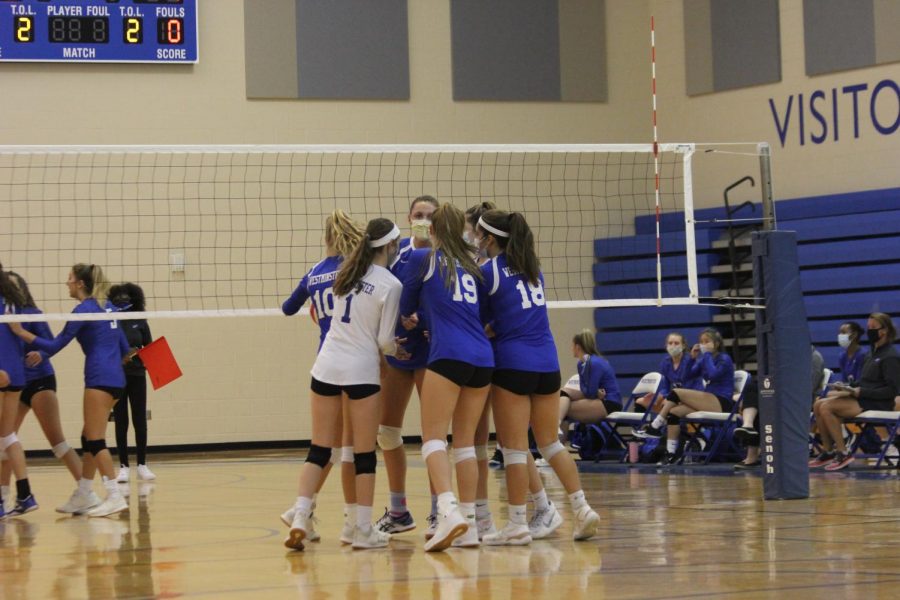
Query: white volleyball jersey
(362, 323)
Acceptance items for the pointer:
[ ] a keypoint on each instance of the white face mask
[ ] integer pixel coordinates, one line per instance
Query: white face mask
(675, 350)
(468, 238)
(844, 340)
(420, 229)
(706, 348)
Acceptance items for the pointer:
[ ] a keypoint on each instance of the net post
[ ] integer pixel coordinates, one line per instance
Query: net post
(765, 179)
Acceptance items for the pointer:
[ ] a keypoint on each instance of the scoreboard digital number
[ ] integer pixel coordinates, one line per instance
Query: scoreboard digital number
(116, 31)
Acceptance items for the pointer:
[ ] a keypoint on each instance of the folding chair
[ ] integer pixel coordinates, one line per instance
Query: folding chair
(714, 428)
(823, 390)
(595, 439)
(649, 384)
(870, 419)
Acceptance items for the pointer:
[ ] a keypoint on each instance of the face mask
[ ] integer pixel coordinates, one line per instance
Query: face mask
(482, 249)
(706, 348)
(843, 340)
(675, 351)
(420, 229)
(467, 238)
(873, 335)
(121, 302)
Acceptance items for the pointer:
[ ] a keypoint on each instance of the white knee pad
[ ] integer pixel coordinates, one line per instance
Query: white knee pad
(6, 442)
(61, 449)
(347, 454)
(389, 438)
(481, 452)
(552, 450)
(432, 446)
(462, 454)
(335, 456)
(515, 457)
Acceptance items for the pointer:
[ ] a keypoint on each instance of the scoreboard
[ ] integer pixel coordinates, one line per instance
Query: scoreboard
(117, 31)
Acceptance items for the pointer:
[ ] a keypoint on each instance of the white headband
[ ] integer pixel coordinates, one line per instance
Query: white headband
(493, 230)
(392, 235)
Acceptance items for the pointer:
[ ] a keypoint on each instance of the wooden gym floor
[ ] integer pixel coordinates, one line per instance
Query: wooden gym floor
(209, 528)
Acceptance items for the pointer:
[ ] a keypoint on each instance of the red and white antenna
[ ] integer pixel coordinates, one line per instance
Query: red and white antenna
(655, 161)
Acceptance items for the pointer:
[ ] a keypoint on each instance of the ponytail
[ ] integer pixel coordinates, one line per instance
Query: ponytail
(342, 233)
(9, 290)
(518, 245)
(355, 266)
(22, 285)
(449, 222)
(95, 282)
(588, 342)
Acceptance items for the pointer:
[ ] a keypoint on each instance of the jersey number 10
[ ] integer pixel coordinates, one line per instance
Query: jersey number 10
(533, 295)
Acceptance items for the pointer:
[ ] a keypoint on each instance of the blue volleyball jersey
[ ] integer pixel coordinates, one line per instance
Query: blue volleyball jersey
(317, 285)
(454, 320)
(416, 342)
(597, 374)
(517, 311)
(851, 368)
(678, 378)
(718, 372)
(40, 329)
(12, 349)
(103, 343)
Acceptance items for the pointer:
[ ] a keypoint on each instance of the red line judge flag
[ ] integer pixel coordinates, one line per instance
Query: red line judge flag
(160, 362)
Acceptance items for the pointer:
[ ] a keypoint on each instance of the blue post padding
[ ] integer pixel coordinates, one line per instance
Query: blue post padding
(784, 354)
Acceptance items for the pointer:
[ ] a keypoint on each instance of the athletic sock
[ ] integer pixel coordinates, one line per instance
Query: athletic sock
(23, 490)
(398, 504)
(577, 499)
(540, 500)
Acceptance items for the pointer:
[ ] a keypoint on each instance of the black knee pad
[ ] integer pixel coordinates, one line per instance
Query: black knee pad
(364, 462)
(95, 447)
(673, 420)
(673, 397)
(319, 455)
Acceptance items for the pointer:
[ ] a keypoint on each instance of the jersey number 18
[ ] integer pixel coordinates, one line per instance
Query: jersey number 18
(534, 294)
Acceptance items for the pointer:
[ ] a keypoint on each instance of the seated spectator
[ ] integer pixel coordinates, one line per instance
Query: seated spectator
(878, 385)
(598, 391)
(675, 369)
(853, 355)
(711, 365)
(748, 433)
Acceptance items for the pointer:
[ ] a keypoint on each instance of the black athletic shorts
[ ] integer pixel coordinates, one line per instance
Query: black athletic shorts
(354, 392)
(725, 403)
(611, 406)
(115, 392)
(462, 373)
(42, 384)
(526, 383)
(12, 388)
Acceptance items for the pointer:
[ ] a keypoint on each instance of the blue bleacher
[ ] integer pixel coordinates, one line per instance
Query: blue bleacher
(849, 254)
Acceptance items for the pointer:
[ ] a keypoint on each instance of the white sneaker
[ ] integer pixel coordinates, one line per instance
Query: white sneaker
(586, 524)
(79, 503)
(541, 463)
(510, 535)
(348, 532)
(449, 527)
(469, 539)
(299, 527)
(287, 517)
(485, 527)
(110, 506)
(124, 475)
(545, 522)
(145, 474)
(364, 539)
(432, 526)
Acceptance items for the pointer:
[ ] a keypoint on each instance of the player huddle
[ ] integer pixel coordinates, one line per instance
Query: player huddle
(459, 311)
